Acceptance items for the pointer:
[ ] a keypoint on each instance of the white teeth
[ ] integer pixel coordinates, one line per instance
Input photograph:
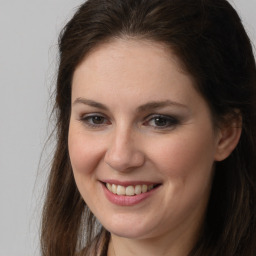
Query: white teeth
(138, 189)
(113, 188)
(120, 190)
(109, 187)
(144, 188)
(129, 190)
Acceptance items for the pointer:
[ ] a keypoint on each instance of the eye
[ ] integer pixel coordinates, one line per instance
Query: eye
(161, 121)
(95, 120)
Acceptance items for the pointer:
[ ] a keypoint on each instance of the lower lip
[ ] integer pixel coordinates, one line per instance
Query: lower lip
(127, 200)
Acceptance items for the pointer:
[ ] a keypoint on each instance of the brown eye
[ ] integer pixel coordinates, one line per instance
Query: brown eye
(95, 120)
(161, 121)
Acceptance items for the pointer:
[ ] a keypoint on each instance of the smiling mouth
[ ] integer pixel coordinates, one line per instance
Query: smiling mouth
(130, 190)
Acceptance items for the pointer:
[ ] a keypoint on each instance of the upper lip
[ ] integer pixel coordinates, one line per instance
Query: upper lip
(130, 183)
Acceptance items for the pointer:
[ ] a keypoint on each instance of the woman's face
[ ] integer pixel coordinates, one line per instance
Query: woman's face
(141, 140)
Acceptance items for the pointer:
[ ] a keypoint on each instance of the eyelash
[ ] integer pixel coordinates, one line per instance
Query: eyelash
(88, 120)
(170, 122)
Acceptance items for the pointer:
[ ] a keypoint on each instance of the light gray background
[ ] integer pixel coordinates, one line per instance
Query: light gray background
(28, 39)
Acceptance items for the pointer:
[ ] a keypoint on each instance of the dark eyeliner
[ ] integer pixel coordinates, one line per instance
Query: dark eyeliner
(86, 119)
(171, 121)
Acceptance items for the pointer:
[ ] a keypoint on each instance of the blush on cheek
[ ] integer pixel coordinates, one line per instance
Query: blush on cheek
(77, 154)
(84, 154)
(176, 158)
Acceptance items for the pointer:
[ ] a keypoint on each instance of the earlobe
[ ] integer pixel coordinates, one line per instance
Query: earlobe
(228, 139)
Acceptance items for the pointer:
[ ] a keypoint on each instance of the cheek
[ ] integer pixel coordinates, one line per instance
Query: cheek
(186, 163)
(187, 159)
(85, 156)
(182, 153)
(85, 152)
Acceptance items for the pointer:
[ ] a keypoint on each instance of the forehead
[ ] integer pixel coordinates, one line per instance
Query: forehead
(132, 72)
(124, 57)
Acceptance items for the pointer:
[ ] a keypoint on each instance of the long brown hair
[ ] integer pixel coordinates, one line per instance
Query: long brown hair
(209, 39)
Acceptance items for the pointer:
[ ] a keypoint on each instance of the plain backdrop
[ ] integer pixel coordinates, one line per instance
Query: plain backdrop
(28, 55)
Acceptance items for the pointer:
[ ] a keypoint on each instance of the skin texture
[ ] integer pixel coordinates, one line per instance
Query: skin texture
(125, 142)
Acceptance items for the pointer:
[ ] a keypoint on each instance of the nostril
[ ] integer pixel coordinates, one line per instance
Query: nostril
(124, 161)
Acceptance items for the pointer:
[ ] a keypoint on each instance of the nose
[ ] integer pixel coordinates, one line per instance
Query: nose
(123, 153)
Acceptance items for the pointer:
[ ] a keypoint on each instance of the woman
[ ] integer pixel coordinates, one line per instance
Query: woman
(155, 155)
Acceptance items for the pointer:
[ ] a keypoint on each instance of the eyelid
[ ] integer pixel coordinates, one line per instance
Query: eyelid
(173, 121)
(91, 114)
(84, 118)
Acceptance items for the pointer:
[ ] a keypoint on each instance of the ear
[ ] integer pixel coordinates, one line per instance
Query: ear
(228, 138)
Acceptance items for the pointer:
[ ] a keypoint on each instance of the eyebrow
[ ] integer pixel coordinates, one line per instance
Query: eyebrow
(143, 108)
(91, 103)
(159, 104)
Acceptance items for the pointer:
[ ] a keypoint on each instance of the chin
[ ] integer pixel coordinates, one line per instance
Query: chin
(127, 230)
(130, 234)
